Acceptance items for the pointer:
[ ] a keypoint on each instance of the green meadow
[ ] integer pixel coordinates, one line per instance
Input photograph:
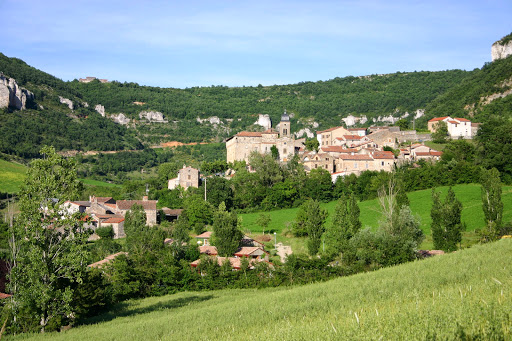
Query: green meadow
(12, 176)
(96, 183)
(420, 203)
(464, 295)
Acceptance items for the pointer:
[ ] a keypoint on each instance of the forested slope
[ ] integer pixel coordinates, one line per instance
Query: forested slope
(479, 95)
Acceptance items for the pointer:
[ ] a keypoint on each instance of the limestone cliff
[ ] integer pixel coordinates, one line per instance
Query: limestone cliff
(152, 116)
(12, 95)
(502, 48)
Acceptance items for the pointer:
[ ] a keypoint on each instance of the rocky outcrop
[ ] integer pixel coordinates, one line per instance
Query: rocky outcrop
(306, 131)
(501, 49)
(67, 101)
(12, 95)
(100, 109)
(121, 119)
(152, 116)
(264, 121)
(214, 120)
(351, 120)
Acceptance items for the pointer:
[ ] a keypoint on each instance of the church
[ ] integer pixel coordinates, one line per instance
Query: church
(240, 146)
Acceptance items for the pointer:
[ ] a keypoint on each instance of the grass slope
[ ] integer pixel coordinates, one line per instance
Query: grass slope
(421, 202)
(12, 176)
(446, 297)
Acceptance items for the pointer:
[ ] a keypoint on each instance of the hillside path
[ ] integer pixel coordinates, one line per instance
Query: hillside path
(283, 251)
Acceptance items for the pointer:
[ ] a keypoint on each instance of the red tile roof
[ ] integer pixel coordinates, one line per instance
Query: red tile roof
(206, 234)
(270, 131)
(107, 259)
(247, 251)
(383, 155)
(249, 134)
(208, 249)
(328, 130)
(355, 157)
(430, 153)
(113, 220)
(338, 149)
(462, 119)
(435, 119)
(352, 137)
(2, 295)
(234, 262)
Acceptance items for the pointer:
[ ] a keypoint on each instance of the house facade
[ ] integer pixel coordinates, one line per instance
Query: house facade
(187, 177)
(457, 127)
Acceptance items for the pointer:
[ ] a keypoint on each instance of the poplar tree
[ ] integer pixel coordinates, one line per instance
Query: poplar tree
(446, 225)
(491, 202)
(48, 244)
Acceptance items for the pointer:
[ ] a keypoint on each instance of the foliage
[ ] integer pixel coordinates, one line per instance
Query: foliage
(492, 205)
(446, 226)
(47, 245)
(263, 221)
(197, 210)
(345, 224)
(494, 146)
(440, 135)
(312, 144)
(226, 231)
(309, 222)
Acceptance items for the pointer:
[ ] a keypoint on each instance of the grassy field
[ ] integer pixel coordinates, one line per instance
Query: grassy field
(97, 183)
(12, 176)
(467, 293)
(420, 201)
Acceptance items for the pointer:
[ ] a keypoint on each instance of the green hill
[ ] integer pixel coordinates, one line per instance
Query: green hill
(474, 95)
(420, 201)
(465, 295)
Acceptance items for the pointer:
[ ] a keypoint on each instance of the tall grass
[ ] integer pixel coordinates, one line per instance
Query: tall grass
(464, 294)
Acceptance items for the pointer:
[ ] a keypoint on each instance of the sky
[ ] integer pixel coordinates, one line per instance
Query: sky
(182, 44)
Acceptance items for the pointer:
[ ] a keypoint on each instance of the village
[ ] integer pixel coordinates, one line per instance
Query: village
(340, 151)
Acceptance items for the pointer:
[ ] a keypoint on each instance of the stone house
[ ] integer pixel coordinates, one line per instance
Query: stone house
(354, 163)
(187, 177)
(314, 160)
(240, 146)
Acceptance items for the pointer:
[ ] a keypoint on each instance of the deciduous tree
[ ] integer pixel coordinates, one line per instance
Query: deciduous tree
(48, 244)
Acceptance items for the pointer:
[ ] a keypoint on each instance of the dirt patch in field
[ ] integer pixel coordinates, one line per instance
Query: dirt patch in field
(263, 238)
(172, 144)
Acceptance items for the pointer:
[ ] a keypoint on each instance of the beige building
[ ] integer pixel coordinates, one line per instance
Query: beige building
(240, 146)
(328, 137)
(187, 177)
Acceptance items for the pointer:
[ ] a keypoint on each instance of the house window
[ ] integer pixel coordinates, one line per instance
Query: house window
(316, 166)
(382, 163)
(188, 177)
(284, 151)
(355, 165)
(326, 159)
(326, 167)
(366, 165)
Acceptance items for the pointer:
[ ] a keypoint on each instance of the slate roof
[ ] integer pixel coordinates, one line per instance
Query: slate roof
(127, 204)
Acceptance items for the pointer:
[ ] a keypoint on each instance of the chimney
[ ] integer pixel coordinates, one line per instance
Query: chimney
(145, 198)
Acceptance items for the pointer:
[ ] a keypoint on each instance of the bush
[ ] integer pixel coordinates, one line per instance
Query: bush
(106, 232)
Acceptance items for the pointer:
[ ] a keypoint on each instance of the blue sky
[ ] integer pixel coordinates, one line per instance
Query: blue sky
(200, 43)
